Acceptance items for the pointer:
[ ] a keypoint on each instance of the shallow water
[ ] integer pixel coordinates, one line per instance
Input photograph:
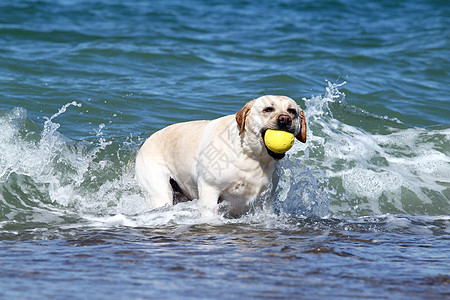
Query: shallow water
(365, 258)
(362, 209)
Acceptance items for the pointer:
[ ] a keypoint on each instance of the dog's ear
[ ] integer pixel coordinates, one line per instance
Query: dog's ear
(301, 135)
(242, 115)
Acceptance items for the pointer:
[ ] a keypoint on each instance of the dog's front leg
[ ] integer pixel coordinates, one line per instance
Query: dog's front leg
(208, 197)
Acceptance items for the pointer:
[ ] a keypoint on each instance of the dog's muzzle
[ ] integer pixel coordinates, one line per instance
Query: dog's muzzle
(284, 122)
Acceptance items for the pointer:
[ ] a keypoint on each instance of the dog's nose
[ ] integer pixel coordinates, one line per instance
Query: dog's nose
(284, 120)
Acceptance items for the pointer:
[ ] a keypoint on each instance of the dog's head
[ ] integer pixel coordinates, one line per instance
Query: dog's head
(271, 112)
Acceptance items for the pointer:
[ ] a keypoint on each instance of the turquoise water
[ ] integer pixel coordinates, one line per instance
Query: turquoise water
(362, 209)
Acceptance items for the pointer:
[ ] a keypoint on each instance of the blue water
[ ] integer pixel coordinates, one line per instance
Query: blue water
(362, 209)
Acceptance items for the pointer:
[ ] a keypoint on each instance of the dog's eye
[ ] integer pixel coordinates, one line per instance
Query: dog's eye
(292, 111)
(268, 109)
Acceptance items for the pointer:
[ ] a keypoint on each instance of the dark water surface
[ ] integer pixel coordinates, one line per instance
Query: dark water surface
(309, 259)
(362, 209)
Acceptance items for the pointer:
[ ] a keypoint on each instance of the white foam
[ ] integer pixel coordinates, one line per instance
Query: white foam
(371, 170)
(341, 169)
(60, 170)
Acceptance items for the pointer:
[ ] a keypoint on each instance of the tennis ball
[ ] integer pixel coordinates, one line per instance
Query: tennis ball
(278, 141)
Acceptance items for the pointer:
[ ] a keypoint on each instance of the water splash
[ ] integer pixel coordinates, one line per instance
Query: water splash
(54, 172)
(384, 168)
(301, 191)
(342, 170)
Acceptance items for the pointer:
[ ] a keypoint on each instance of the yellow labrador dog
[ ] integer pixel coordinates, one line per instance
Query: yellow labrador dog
(223, 160)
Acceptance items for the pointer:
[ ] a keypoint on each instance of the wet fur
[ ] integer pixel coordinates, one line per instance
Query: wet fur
(219, 160)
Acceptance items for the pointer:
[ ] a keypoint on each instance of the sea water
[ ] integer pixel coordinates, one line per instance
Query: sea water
(362, 209)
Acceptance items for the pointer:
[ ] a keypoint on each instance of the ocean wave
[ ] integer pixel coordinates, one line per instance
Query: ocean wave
(343, 170)
(387, 168)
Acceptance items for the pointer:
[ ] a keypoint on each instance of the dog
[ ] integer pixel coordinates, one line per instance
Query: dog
(221, 160)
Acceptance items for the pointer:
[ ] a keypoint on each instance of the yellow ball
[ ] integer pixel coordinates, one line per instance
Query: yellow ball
(278, 141)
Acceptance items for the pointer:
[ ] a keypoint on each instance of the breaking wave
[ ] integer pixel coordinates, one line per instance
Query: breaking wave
(354, 164)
